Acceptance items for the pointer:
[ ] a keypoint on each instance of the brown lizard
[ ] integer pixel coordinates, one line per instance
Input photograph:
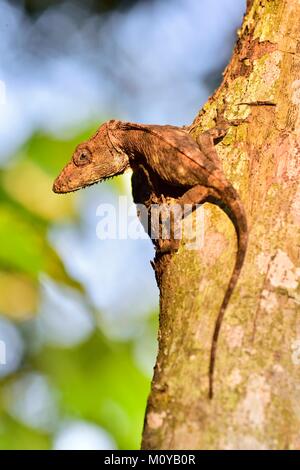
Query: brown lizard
(169, 159)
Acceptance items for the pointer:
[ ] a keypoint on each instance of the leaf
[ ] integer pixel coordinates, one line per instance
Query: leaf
(52, 154)
(29, 185)
(18, 295)
(101, 382)
(24, 255)
(15, 436)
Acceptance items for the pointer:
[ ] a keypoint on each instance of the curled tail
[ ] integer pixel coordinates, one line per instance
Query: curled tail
(229, 201)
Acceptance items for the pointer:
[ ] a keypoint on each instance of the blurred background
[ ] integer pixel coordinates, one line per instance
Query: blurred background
(79, 315)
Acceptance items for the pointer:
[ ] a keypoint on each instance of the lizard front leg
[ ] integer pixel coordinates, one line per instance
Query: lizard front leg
(207, 139)
(184, 206)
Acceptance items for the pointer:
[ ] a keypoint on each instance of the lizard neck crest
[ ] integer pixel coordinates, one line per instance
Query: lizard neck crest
(111, 126)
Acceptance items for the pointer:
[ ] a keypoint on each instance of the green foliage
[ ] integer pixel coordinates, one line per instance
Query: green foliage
(100, 382)
(15, 436)
(22, 247)
(50, 153)
(97, 381)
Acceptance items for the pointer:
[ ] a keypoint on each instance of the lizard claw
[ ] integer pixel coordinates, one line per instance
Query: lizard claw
(167, 247)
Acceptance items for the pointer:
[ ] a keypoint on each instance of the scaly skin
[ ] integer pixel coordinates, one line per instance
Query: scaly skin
(176, 164)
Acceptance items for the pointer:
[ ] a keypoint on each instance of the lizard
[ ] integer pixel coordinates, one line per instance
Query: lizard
(175, 164)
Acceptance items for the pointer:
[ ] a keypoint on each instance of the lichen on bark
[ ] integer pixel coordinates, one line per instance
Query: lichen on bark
(257, 380)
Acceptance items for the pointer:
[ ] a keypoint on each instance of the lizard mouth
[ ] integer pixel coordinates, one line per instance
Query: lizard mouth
(71, 178)
(59, 188)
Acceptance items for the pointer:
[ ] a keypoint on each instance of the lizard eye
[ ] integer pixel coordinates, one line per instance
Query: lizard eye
(82, 158)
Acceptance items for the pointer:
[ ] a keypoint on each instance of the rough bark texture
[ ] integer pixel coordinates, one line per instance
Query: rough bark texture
(257, 380)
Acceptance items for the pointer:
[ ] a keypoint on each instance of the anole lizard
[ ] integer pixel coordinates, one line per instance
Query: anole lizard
(172, 162)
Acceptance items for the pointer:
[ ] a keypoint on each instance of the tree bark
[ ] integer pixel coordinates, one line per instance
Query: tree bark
(256, 403)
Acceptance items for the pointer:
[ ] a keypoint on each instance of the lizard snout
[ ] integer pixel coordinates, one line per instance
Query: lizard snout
(56, 188)
(66, 181)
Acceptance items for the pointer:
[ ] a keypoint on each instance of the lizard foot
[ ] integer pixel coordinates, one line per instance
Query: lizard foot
(167, 247)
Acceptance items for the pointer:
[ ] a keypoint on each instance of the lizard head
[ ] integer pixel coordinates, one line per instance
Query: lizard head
(93, 161)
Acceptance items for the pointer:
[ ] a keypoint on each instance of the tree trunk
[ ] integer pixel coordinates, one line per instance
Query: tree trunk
(256, 403)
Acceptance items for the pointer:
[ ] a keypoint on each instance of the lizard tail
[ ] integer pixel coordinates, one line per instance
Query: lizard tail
(231, 204)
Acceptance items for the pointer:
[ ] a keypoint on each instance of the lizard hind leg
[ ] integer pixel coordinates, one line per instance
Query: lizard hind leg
(206, 143)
